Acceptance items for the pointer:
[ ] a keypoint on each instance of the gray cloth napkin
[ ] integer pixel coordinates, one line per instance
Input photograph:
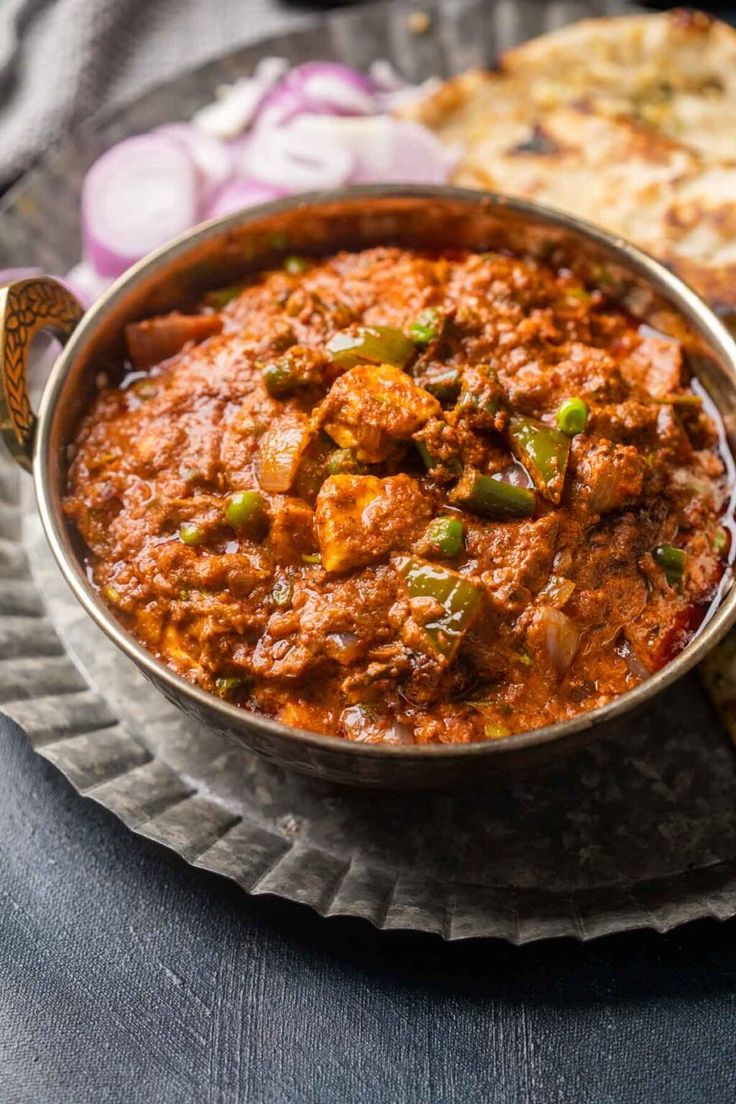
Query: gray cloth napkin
(62, 60)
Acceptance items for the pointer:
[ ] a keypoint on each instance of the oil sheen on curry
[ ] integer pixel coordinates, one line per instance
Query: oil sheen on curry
(405, 497)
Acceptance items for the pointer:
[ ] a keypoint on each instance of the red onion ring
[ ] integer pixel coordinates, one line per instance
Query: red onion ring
(137, 196)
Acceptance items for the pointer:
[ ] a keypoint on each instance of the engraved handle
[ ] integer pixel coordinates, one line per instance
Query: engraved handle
(26, 307)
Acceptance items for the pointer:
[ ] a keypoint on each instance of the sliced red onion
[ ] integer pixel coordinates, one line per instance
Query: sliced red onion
(212, 158)
(239, 194)
(137, 196)
(405, 97)
(385, 76)
(86, 283)
(384, 149)
(287, 158)
(10, 275)
(636, 666)
(280, 451)
(366, 725)
(561, 638)
(318, 87)
(393, 91)
(236, 105)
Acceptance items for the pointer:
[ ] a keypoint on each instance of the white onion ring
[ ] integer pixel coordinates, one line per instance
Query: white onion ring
(561, 639)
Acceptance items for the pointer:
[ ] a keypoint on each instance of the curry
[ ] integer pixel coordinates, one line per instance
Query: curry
(405, 497)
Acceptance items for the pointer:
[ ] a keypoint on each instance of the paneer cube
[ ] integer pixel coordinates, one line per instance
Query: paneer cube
(607, 476)
(361, 518)
(656, 366)
(372, 406)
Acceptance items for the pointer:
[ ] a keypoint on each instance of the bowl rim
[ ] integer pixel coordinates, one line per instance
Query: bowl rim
(686, 301)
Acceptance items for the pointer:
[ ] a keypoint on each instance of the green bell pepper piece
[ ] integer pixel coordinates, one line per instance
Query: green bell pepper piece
(453, 465)
(672, 560)
(444, 385)
(460, 599)
(544, 452)
(491, 497)
(280, 377)
(375, 344)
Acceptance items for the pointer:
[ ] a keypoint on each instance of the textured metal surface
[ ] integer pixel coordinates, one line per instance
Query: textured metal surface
(412, 215)
(638, 831)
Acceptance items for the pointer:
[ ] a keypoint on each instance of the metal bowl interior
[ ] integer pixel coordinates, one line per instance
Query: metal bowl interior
(221, 251)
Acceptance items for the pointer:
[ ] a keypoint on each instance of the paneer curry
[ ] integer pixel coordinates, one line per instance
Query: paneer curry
(405, 497)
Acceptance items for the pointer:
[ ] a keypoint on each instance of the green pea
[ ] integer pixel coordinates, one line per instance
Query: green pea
(191, 533)
(279, 377)
(572, 416)
(246, 511)
(144, 389)
(445, 535)
(344, 461)
(672, 560)
(426, 326)
(295, 264)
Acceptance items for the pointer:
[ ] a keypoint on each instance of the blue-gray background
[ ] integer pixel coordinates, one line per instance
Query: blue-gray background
(127, 977)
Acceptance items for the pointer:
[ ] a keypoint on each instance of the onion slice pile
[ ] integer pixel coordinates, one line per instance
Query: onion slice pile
(10, 275)
(238, 194)
(288, 157)
(383, 149)
(139, 194)
(280, 132)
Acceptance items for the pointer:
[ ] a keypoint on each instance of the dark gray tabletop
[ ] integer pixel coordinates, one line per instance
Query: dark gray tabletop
(127, 977)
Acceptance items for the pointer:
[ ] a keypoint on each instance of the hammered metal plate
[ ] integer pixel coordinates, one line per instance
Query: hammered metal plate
(637, 831)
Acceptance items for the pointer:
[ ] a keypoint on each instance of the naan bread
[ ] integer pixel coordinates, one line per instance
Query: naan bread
(628, 122)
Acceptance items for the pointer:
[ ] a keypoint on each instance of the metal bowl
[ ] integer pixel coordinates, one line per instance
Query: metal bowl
(221, 251)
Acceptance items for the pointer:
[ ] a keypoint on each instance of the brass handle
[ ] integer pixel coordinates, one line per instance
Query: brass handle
(26, 307)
